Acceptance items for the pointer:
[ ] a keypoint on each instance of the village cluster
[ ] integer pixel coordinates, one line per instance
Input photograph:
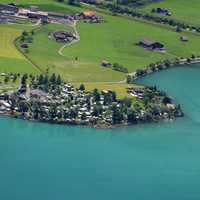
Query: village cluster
(12, 11)
(49, 99)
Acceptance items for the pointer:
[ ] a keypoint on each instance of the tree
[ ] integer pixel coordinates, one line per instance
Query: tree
(117, 115)
(129, 79)
(14, 78)
(24, 79)
(25, 33)
(127, 102)
(6, 79)
(74, 2)
(97, 110)
(96, 95)
(41, 79)
(53, 79)
(166, 100)
(83, 116)
(82, 87)
(131, 117)
(58, 80)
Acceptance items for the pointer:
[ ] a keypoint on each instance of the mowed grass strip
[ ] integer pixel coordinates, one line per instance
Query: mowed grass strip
(7, 47)
(11, 60)
(183, 10)
(47, 5)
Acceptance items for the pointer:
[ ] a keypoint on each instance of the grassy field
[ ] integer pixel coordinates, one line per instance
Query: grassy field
(113, 41)
(183, 10)
(11, 60)
(107, 41)
(46, 5)
(121, 88)
(44, 52)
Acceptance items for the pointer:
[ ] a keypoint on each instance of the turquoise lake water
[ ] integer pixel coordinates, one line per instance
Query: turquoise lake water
(144, 162)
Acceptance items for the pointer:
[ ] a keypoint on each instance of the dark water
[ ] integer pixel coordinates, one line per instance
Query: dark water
(147, 162)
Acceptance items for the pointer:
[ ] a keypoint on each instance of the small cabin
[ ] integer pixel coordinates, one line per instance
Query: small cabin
(184, 39)
(56, 15)
(105, 63)
(24, 46)
(9, 8)
(151, 45)
(88, 14)
(63, 36)
(162, 11)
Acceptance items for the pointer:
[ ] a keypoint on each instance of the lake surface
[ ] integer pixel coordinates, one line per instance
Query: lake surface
(145, 162)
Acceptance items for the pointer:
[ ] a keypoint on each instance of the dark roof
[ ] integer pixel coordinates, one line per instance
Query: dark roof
(147, 41)
(184, 38)
(55, 14)
(38, 93)
(62, 34)
(8, 7)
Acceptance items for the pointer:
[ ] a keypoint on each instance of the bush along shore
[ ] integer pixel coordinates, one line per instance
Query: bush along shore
(166, 64)
(47, 98)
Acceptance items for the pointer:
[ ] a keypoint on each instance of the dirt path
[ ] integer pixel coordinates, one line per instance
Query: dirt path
(60, 51)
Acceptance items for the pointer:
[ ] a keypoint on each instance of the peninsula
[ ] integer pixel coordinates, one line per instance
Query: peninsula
(71, 62)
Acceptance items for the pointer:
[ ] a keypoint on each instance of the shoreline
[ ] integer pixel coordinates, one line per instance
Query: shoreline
(117, 126)
(163, 65)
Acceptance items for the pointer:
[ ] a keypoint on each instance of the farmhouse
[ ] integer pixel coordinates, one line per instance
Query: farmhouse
(105, 63)
(184, 39)
(37, 93)
(90, 16)
(3, 20)
(56, 15)
(63, 36)
(8, 8)
(37, 15)
(151, 45)
(34, 8)
(162, 11)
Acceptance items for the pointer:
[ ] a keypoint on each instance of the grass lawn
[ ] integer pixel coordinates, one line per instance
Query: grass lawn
(44, 52)
(183, 10)
(119, 88)
(115, 41)
(47, 5)
(11, 60)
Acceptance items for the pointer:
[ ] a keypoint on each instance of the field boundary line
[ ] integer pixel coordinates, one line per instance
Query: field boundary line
(26, 57)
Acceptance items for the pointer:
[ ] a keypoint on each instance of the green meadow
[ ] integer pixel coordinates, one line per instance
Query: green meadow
(47, 5)
(11, 60)
(114, 41)
(182, 10)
